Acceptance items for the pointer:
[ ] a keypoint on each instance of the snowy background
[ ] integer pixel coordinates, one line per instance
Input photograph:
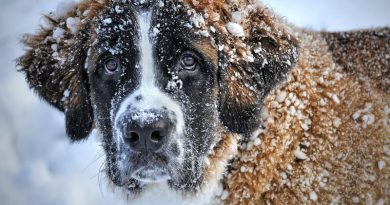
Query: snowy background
(37, 163)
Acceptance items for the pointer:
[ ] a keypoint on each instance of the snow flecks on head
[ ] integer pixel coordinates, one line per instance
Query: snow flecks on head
(235, 29)
(144, 117)
(64, 7)
(58, 33)
(118, 9)
(197, 20)
(107, 21)
(175, 83)
(233, 20)
(237, 17)
(72, 24)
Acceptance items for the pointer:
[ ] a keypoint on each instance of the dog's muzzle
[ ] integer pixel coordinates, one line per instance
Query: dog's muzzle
(146, 131)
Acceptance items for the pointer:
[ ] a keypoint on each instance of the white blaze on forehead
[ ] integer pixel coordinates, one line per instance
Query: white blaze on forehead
(146, 49)
(151, 98)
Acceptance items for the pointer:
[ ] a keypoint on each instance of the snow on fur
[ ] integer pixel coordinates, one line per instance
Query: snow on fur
(323, 130)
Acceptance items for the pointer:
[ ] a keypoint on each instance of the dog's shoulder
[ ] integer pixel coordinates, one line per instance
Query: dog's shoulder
(325, 128)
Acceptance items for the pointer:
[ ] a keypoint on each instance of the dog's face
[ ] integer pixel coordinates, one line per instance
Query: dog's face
(154, 92)
(161, 93)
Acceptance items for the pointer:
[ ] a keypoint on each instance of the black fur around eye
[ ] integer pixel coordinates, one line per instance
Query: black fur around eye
(188, 62)
(111, 65)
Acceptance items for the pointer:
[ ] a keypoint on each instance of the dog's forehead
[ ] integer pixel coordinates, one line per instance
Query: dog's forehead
(122, 16)
(117, 27)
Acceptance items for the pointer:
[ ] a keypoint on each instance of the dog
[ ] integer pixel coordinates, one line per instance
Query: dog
(215, 101)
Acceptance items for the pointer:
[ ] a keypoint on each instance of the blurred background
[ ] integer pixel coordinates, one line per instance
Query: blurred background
(38, 165)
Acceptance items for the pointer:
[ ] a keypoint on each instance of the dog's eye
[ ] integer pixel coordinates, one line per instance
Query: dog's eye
(111, 65)
(188, 62)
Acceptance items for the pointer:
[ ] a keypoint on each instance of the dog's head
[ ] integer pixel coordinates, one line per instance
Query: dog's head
(162, 81)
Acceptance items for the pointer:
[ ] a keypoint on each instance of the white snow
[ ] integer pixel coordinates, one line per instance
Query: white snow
(355, 199)
(155, 31)
(204, 33)
(289, 167)
(305, 126)
(66, 93)
(236, 16)
(257, 141)
(356, 115)
(380, 202)
(212, 29)
(381, 164)
(118, 9)
(197, 20)
(54, 47)
(281, 96)
(64, 7)
(313, 196)
(220, 47)
(368, 119)
(257, 50)
(72, 24)
(300, 155)
(283, 175)
(235, 29)
(335, 99)
(337, 122)
(58, 33)
(224, 195)
(292, 110)
(107, 21)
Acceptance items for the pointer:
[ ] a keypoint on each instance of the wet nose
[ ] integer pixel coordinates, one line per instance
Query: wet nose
(149, 137)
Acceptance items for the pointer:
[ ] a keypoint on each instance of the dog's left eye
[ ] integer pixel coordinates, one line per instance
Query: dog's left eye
(188, 62)
(111, 65)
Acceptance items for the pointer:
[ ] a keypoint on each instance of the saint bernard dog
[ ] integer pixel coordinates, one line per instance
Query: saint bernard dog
(219, 101)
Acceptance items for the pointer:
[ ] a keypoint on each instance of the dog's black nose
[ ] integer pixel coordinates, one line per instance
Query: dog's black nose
(149, 136)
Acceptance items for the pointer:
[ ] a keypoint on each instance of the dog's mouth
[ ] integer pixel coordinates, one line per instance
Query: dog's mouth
(146, 167)
(150, 174)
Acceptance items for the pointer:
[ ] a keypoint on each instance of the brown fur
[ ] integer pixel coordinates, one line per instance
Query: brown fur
(343, 153)
(207, 49)
(239, 91)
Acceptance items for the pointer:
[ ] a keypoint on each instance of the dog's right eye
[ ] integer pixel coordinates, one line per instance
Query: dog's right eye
(189, 61)
(111, 65)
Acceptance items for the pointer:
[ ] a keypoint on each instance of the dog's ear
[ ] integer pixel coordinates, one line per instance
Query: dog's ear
(254, 65)
(54, 68)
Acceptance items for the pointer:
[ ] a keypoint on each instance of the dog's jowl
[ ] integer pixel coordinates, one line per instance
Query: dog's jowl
(219, 102)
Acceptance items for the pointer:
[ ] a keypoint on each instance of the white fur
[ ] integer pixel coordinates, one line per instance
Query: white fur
(152, 97)
(162, 194)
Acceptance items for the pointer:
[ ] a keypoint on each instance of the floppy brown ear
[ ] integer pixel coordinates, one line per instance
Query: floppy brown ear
(53, 65)
(258, 63)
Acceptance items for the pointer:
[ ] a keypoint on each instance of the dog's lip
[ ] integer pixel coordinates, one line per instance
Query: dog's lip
(149, 159)
(151, 174)
(147, 168)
